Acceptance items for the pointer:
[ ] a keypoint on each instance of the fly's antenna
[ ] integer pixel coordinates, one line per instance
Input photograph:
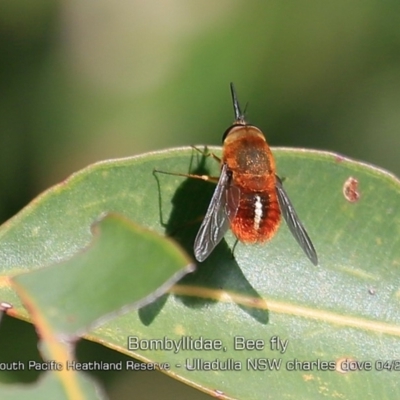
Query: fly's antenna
(245, 109)
(239, 117)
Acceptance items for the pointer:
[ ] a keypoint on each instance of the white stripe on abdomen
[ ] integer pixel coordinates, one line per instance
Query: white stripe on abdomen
(258, 212)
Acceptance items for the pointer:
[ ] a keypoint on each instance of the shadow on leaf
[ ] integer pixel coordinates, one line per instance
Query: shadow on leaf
(220, 272)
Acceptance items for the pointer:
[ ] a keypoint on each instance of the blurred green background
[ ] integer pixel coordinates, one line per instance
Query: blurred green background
(86, 81)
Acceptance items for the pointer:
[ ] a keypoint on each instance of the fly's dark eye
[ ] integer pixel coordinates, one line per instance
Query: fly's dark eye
(226, 133)
(232, 127)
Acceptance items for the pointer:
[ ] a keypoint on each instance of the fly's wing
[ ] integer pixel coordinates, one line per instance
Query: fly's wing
(294, 224)
(232, 201)
(221, 211)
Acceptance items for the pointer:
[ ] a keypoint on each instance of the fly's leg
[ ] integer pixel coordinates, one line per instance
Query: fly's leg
(234, 247)
(205, 153)
(206, 178)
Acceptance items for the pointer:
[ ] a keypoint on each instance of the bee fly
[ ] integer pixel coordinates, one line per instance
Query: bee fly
(249, 197)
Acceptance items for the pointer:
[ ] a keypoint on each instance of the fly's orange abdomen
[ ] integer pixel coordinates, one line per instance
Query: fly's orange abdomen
(257, 218)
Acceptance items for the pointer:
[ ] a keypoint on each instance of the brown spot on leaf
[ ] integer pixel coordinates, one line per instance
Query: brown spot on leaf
(350, 190)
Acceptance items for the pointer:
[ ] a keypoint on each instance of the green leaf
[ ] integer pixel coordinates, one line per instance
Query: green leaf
(125, 267)
(345, 308)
